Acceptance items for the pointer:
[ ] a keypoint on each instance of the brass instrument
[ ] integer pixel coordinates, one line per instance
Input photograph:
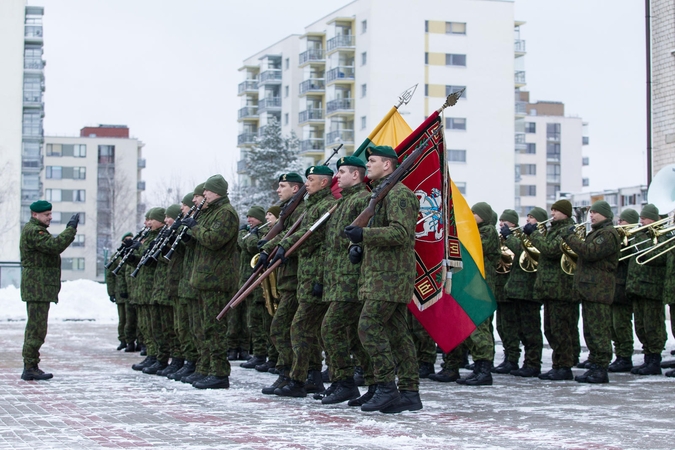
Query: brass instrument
(506, 260)
(657, 234)
(626, 231)
(260, 228)
(269, 287)
(568, 261)
(529, 258)
(654, 230)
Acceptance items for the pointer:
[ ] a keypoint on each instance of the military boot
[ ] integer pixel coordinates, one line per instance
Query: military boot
(213, 382)
(505, 367)
(194, 376)
(266, 366)
(122, 346)
(187, 369)
(144, 350)
(280, 382)
(314, 382)
(294, 388)
(670, 373)
(243, 355)
(325, 376)
(445, 375)
(646, 360)
(653, 367)
(526, 372)
(139, 347)
(484, 375)
(34, 373)
(668, 364)
(595, 374)
(584, 365)
(621, 364)
(147, 362)
(473, 375)
(155, 367)
(329, 390)
(385, 395)
(253, 362)
(365, 397)
(426, 369)
(408, 401)
(232, 354)
(359, 376)
(561, 374)
(131, 347)
(345, 390)
(175, 366)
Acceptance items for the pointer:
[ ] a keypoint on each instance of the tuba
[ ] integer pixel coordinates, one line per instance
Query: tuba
(568, 261)
(269, 287)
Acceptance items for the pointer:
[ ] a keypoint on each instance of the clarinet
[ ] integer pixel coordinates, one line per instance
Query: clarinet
(171, 234)
(121, 249)
(150, 251)
(139, 237)
(183, 230)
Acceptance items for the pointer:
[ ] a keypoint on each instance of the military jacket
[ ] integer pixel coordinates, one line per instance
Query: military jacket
(116, 284)
(646, 280)
(491, 252)
(598, 258)
(552, 283)
(520, 283)
(312, 252)
(185, 290)
(145, 278)
(341, 277)
(160, 283)
(388, 267)
(41, 261)
(247, 242)
(174, 270)
(669, 284)
(216, 259)
(287, 273)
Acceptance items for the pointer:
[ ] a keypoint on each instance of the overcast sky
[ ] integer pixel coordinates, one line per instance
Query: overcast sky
(168, 70)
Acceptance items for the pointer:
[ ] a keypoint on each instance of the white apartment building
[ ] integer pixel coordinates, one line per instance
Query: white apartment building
(634, 197)
(333, 83)
(97, 174)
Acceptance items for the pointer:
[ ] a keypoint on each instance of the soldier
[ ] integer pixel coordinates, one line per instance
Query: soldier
(118, 294)
(555, 288)
(622, 309)
(40, 280)
(215, 273)
(669, 299)
(388, 254)
(597, 260)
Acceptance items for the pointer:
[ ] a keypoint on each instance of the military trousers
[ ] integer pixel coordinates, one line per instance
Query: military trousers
(650, 324)
(280, 329)
(258, 323)
(424, 344)
(131, 333)
(576, 335)
(195, 313)
(162, 329)
(146, 330)
(306, 338)
(529, 331)
(121, 321)
(181, 321)
(237, 329)
(481, 342)
(215, 332)
(597, 332)
(508, 327)
(385, 336)
(340, 333)
(560, 321)
(35, 333)
(622, 329)
(453, 360)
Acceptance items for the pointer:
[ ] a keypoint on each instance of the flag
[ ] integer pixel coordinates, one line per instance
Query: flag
(391, 131)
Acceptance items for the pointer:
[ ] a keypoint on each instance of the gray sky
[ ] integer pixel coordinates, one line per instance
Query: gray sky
(168, 70)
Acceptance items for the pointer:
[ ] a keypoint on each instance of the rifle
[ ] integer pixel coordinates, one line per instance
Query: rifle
(183, 230)
(129, 251)
(233, 303)
(150, 250)
(121, 249)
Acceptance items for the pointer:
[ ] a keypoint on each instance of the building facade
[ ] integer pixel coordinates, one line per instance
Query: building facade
(634, 197)
(97, 174)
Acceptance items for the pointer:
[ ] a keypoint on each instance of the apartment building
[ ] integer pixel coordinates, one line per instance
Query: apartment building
(634, 197)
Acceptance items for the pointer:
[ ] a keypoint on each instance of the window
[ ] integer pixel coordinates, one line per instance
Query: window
(287, 63)
(530, 149)
(528, 169)
(64, 217)
(584, 161)
(106, 154)
(53, 172)
(455, 28)
(79, 241)
(453, 59)
(426, 26)
(426, 90)
(30, 181)
(364, 26)
(65, 195)
(363, 122)
(364, 58)
(461, 186)
(530, 127)
(585, 182)
(69, 173)
(32, 89)
(528, 190)
(32, 124)
(53, 149)
(552, 191)
(455, 123)
(457, 156)
(426, 57)
(364, 90)
(286, 119)
(584, 140)
(553, 151)
(72, 264)
(80, 151)
(553, 173)
(286, 91)
(449, 89)
(553, 131)
(53, 195)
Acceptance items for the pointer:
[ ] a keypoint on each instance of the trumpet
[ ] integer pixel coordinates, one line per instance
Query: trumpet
(568, 261)
(657, 234)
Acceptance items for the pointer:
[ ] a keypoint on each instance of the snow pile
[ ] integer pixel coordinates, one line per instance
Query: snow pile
(78, 300)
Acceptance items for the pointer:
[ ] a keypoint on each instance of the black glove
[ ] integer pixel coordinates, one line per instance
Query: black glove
(176, 223)
(135, 245)
(186, 237)
(571, 230)
(505, 231)
(261, 243)
(262, 261)
(279, 255)
(128, 242)
(124, 295)
(355, 254)
(112, 299)
(317, 290)
(189, 222)
(254, 230)
(74, 220)
(529, 228)
(243, 227)
(354, 233)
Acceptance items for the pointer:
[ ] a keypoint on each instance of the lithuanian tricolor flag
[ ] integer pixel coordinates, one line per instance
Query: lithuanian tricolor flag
(391, 131)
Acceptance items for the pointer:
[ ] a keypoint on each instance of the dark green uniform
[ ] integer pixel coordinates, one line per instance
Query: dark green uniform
(669, 285)
(189, 296)
(507, 317)
(132, 331)
(184, 347)
(161, 314)
(622, 314)
(257, 318)
(40, 282)
(117, 286)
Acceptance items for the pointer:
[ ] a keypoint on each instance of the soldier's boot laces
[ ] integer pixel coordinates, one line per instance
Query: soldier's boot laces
(294, 388)
(445, 375)
(505, 367)
(329, 390)
(408, 401)
(475, 370)
(385, 395)
(653, 366)
(147, 362)
(314, 382)
(122, 346)
(595, 374)
(279, 383)
(35, 373)
(483, 376)
(365, 397)
(621, 364)
(213, 382)
(346, 390)
(561, 374)
(426, 369)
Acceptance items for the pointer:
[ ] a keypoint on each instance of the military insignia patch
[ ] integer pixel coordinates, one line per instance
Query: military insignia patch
(217, 225)
(311, 170)
(402, 203)
(599, 240)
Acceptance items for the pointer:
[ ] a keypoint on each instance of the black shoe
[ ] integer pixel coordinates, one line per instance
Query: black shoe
(408, 401)
(122, 346)
(359, 377)
(273, 370)
(653, 367)
(293, 389)
(279, 383)
(471, 366)
(329, 390)
(621, 364)
(483, 376)
(672, 352)
(668, 364)
(670, 373)
(426, 369)
(266, 366)
(365, 397)
(465, 360)
(445, 375)
(584, 365)
(34, 373)
(314, 382)
(595, 374)
(232, 354)
(325, 376)
(139, 347)
(561, 374)
(505, 367)
(243, 355)
(386, 394)
(147, 362)
(213, 382)
(155, 367)
(131, 347)
(194, 376)
(345, 390)
(255, 361)
(644, 364)
(175, 366)
(144, 350)
(187, 369)
(526, 372)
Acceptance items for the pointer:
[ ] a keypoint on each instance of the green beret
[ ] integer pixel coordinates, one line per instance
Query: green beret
(649, 211)
(538, 213)
(319, 170)
(291, 177)
(350, 161)
(274, 209)
(172, 211)
(199, 190)
(510, 215)
(157, 214)
(630, 215)
(40, 206)
(128, 234)
(564, 206)
(483, 210)
(602, 207)
(257, 212)
(381, 150)
(216, 184)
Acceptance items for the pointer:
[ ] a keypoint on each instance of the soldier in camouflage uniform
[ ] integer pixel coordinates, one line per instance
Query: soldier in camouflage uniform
(118, 294)
(644, 286)
(556, 289)
(424, 346)
(215, 273)
(238, 336)
(598, 257)
(271, 216)
(132, 333)
(40, 280)
(669, 299)
(622, 309)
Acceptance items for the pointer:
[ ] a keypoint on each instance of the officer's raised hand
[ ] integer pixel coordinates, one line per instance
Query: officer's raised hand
(74, 221)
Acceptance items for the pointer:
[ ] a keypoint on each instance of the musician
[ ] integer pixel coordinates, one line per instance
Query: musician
(118, 294)
(669, 299)
(272, 215)
(597, 260)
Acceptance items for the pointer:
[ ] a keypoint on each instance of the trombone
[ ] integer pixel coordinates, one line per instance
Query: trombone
(657, 234)
(653, 230)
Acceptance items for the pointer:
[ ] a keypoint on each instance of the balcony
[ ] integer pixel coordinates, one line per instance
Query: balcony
(340, 73)
(241, 166)
(33, 64)
(312, 85)
(248, 87)
(584, 140)
(140, 185)
(340, 136)
(141, 163)
(553, 179)
(340, 105)
(271, 76)
(521, 108)
(33, 34)
(315, 55)
(31, 165)
(519, 78)
(269, 103)
(519, 46)
(341, 42)
(248, 112)
(312, 145)
(553, 157)
(310, 115)
(246, 139)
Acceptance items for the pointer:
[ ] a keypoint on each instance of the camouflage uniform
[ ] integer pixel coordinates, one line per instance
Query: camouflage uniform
(257, 317)
(40, 282)
(507, 317)
(598, 257)
(183, 342)
(117, 286)
(555, 288)
(215, 273)
(189, 296)
(131, 330)
(669, 287)
(622, 314)
(386, 286)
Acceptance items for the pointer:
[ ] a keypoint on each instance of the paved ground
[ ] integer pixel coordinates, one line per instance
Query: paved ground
(96, 401)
